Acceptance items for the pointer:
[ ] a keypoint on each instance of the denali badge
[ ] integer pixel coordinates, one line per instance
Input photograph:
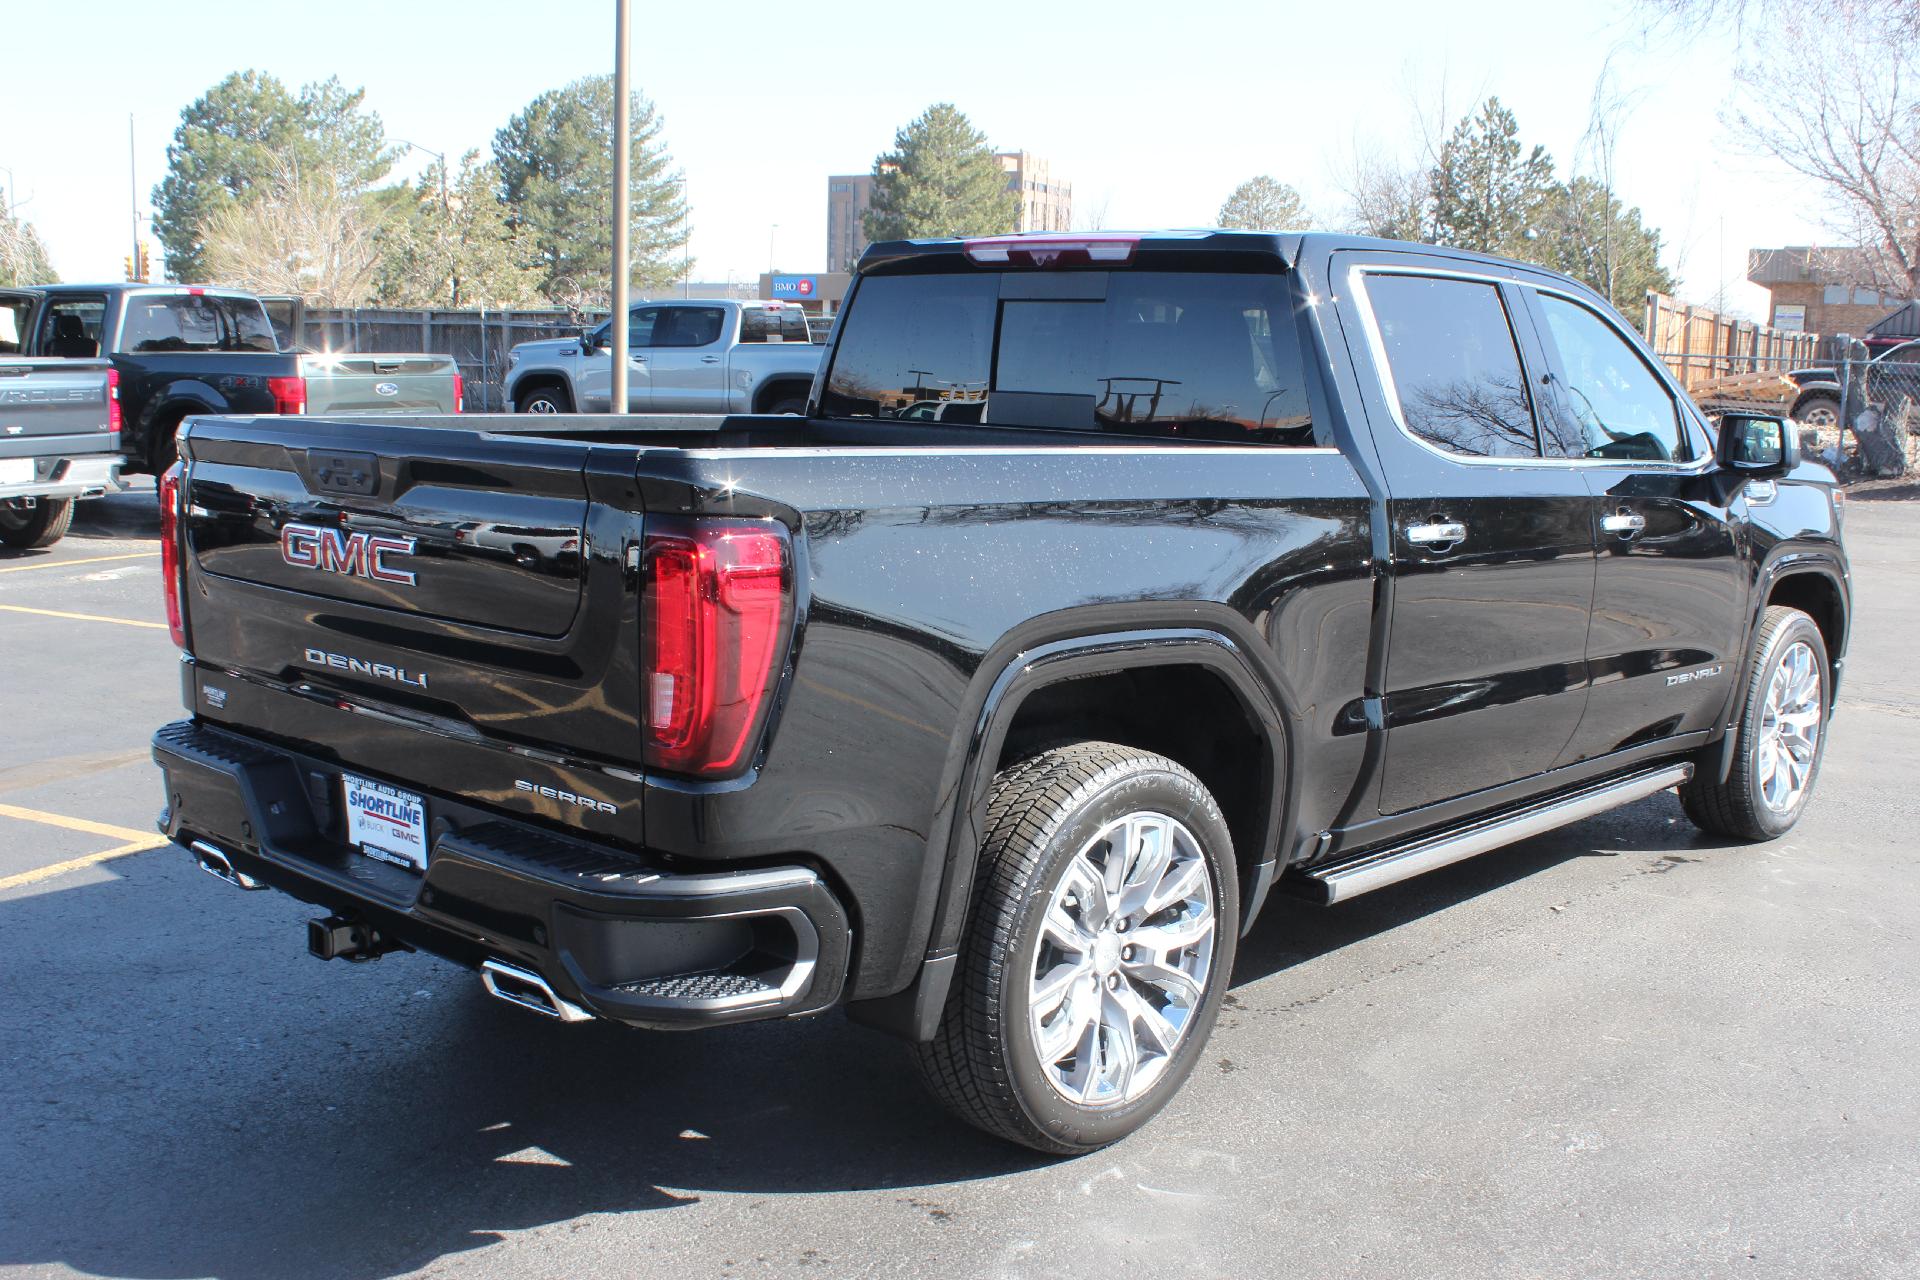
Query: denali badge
(1704, 673)
(361, 667)
(566, 797)
(309, 546)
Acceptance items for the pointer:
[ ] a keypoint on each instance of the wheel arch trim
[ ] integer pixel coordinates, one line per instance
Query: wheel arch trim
(1014, 672)
(1789, 563)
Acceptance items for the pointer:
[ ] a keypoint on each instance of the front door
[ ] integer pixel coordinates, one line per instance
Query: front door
(596, 366)
(1670, 600)
(688, 356)
(1491, 544)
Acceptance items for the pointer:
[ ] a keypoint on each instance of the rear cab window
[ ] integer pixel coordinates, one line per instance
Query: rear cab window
(158, 322)
(1164, 354)
(773, 324)
(70, 325)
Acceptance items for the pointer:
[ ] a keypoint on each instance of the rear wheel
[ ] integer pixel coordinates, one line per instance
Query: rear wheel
(1780, 738)
(28, 528)
(1098, 953)
(788, 404)
(1817, 410)
(546, 398)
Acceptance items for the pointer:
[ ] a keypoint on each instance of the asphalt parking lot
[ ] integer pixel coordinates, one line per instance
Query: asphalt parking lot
(1618, 1050)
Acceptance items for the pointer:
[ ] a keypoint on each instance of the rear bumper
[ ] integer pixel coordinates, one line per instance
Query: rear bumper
(616, 934)
(86, 476)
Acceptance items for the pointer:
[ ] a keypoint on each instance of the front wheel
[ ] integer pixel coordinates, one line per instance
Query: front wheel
(544, 399)
(29, 528)
(1779, 740)
(1098, 953)
(1817, 409)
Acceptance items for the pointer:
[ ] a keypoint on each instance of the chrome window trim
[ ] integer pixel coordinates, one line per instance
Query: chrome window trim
(1377, 352)
(1042, 450)
(1695, 430)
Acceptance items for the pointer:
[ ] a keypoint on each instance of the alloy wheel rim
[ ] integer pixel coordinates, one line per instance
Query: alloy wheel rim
(1820, 417)
(1789, 728)
(543, 405)
(1125, 954)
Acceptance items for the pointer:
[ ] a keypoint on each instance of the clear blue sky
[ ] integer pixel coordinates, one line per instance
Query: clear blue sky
(1152, 111)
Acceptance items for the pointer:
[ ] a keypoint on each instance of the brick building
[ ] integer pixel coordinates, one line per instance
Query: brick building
(1044, 204)
(1815, 290)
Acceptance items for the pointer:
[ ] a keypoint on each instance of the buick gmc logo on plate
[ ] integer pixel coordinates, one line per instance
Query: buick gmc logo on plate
(361, 555)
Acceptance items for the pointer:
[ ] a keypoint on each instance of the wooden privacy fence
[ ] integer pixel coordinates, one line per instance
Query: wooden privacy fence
(479, 340)
(1701, 345)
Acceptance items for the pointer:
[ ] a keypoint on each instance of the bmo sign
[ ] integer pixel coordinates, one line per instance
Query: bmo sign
(799, 287)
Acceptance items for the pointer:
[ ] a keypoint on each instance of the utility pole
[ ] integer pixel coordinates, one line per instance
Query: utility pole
(622, 158)
(133, 195)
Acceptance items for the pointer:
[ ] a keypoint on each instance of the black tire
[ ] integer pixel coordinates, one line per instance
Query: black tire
(1817, 409)
(41, 526)
(1043, 815)
(1738, 808)
(545, 397)
(788, 404)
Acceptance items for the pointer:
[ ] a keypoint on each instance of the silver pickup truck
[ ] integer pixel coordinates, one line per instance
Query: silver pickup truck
(692, 356)
(59, 441)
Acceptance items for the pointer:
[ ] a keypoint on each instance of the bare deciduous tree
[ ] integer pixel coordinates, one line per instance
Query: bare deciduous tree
(1835, 96)
(301, 232)
(23, 255)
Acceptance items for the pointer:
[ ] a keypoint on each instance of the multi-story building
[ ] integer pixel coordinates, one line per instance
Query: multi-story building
(1814, 290)
(1044, 203)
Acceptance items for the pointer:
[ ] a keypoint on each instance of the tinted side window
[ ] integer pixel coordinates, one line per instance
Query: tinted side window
(247, 326)
(640, 327)
(1616, 406)
(171, 322)
(914, 347)
(688, 326)
(1454, 365)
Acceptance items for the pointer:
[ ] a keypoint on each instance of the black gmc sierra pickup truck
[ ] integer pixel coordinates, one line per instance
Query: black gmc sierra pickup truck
(1110, 583)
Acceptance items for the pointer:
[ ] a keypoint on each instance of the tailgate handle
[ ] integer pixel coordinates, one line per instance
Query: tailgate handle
(355, 473)
(388, 368)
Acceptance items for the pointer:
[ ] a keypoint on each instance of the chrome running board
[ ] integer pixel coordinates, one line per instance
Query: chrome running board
(1338, 881)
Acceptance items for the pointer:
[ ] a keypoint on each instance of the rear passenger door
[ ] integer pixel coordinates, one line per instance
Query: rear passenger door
(688, 359)
(1491, 543)
(1671, 597)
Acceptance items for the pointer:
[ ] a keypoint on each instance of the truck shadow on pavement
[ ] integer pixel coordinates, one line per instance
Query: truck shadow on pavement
(192, 1096)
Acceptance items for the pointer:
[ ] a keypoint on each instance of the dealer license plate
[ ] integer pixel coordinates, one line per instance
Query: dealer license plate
(16, 470)
(386, 822)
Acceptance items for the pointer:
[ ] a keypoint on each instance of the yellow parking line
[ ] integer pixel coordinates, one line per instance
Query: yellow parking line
(87, 825)
(82, 617)
(62, 564)
(74, 864)
(136, 842)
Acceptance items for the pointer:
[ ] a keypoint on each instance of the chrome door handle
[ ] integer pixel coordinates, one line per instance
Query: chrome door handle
(1444, 533)
(1625, 523)
(709, 359)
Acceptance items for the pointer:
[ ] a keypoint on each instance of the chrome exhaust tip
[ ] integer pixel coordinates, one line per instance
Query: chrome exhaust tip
(216, 864)
(529, 990)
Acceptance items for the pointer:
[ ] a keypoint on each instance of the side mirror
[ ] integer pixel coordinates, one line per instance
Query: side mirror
(1757, 445)
(593, 339)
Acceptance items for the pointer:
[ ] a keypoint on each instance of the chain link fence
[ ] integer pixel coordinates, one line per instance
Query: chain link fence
(1880, 400)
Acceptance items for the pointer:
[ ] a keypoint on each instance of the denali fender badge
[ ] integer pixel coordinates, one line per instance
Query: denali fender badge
(565, 797)
(309, 546)
(362, 667)
(1704, 673)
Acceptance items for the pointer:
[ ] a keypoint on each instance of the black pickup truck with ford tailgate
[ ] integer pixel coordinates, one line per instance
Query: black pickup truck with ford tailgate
(1109, 586)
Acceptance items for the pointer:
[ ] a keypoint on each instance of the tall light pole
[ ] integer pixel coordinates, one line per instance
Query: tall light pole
(622, 158)
(133, 198)
(445, 206)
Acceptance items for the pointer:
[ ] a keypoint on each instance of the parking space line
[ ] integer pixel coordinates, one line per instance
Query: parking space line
(82, 617)
(135, 842)
(75, 864)
(62, 564)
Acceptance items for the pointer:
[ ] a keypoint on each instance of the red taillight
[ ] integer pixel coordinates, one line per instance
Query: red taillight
(289, 394)
(1052, 251)
(170, 553)
(714, 629)
(459, 394)
(116, 418)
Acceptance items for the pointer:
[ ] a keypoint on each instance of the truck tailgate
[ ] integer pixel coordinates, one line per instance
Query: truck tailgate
(350, 384)
(463, 577)
(46, 400)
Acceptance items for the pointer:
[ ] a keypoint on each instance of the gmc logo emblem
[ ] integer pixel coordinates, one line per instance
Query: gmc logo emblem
(308, 546)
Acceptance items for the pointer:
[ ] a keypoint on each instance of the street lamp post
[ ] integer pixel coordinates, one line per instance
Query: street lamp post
(622, 159)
